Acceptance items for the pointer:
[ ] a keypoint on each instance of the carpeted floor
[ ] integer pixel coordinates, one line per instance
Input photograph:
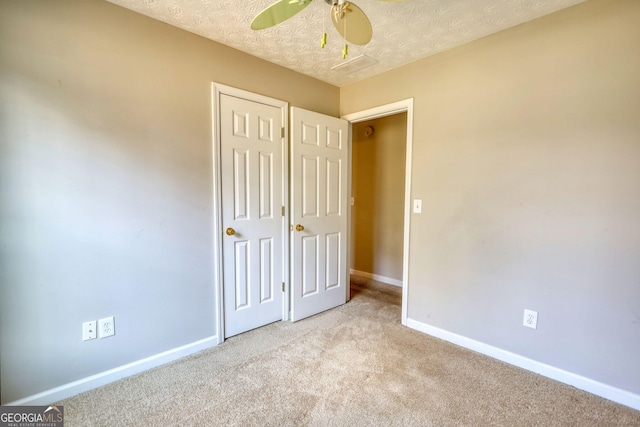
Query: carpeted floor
(355, 365)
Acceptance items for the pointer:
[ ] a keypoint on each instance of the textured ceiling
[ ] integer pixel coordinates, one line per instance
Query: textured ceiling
(403, 32)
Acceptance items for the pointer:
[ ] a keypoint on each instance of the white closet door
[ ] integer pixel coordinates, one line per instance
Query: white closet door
(251, 157)
(319, 190)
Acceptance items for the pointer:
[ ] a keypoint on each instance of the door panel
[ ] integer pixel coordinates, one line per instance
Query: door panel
(333, 260)
(310, 186)
(241, 262)
(334, 183)
(251, 154)
(319, 156)
(309, 265)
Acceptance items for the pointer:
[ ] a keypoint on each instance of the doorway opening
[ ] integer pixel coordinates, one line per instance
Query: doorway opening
(393, 259)
(377, 198)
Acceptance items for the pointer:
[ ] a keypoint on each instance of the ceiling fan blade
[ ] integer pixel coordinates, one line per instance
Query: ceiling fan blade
(278, 13)
(358, 28)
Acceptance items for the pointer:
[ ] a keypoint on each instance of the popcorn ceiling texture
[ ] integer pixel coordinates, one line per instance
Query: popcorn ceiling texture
(403, 32)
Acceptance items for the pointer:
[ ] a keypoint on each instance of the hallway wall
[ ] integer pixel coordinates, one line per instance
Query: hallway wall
(377, 218)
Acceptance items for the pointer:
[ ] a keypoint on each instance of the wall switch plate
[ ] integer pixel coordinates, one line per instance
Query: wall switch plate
(417, 205)
(106, 327)
(530, 319)
(89, 331)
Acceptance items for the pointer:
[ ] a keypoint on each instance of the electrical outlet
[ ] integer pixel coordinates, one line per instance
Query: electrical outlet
(89, 331)
(106, 327)
(530, 319)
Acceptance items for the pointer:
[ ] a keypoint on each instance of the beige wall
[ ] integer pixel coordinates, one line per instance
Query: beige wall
(106, 184)
(526, 154)
(377, 186)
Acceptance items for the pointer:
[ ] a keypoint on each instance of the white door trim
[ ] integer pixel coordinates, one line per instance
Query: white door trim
(216, 91)
(383, 111)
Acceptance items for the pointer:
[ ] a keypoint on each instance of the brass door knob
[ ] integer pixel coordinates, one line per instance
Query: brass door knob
(299, 227)
(230, 231)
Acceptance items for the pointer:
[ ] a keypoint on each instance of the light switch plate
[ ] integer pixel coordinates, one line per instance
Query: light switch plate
(417, 205)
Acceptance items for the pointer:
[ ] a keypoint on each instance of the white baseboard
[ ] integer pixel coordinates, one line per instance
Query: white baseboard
(377, 277)
(583, 383)
(65, 391)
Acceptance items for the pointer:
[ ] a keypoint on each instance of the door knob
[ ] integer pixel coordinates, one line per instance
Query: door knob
(299, 227)
(230, 231)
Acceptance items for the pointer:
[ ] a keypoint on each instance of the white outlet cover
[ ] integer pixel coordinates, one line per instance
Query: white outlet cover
(530, 319)
(89, 331)
(106, 327)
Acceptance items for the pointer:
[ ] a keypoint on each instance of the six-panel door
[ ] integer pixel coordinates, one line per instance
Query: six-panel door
(251, 154)
(319, 191)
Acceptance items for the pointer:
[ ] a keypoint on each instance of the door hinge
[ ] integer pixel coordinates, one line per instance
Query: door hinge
(282, 286)
(282, 132)
(282, 211)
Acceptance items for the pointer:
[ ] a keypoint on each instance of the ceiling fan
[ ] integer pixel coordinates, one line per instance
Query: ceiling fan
(347, 18)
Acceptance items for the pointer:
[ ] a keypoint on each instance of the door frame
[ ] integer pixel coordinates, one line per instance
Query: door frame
(217, 90)
(376, 113)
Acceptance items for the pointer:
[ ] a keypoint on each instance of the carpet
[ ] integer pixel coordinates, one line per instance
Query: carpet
(354, 365)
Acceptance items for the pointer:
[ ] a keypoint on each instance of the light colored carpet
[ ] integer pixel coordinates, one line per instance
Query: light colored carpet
(354, 365)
